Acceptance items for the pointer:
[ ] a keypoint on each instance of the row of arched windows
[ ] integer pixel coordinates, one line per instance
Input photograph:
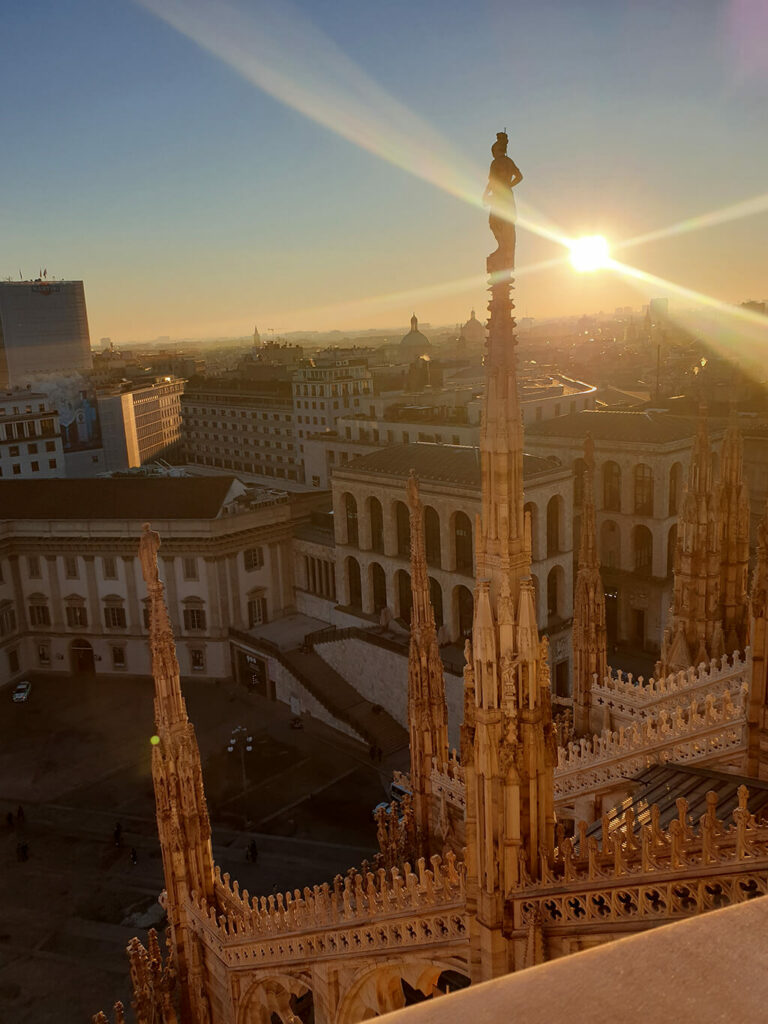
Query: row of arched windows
(641, 550)
(401, 600)
(642, 488)
(463, 604)
(461, 528)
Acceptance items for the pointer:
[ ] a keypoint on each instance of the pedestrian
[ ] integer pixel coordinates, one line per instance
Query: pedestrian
(134, 855)
(19, 814)
(22, 851)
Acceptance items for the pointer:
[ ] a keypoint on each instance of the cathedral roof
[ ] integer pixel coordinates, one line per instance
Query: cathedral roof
(414, 338)
(446, 463)
(131, 497)
(473, 331)
(664, 784)
(638, 427)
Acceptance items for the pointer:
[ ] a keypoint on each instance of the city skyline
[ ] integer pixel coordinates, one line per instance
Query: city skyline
(180, 202)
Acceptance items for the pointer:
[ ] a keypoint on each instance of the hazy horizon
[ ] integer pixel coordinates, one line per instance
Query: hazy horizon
(195, 164)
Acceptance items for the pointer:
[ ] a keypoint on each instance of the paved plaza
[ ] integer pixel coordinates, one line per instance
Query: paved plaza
(76, 758)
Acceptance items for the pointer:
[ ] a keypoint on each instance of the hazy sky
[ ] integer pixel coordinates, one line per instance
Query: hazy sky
(194, 203)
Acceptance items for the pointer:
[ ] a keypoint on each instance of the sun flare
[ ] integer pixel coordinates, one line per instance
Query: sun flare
(590, 253)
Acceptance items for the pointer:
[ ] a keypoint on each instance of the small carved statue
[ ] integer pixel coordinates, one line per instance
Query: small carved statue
(503, 175)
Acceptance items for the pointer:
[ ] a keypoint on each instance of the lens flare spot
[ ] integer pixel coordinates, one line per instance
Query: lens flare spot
(154, 740)
(590, 253)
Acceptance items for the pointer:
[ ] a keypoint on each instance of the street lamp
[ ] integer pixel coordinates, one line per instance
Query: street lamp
(239, 740)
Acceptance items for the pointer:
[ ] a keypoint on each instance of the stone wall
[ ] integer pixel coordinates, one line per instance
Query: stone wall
(287, 686)
(381, 676)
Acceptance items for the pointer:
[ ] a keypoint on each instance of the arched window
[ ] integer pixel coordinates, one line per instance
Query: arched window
(194, 615)
(39, 613)
(436, 597)
(555, 593)
(404, 595)
(611, 487)
(465, 609)
(675, 488)
(610, 544)
(642, 544)
(643, 490)
(462, 534)
(578, 482)
(378, 586)
(114, 612)
(532, 509)
(353, 583)
(432, 536)
(377, 524)
(350, 511)
(403, 527)
(671, 546)
(554, 520)
(257, 607)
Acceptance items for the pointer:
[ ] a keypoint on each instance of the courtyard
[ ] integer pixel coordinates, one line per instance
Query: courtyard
(77, 759)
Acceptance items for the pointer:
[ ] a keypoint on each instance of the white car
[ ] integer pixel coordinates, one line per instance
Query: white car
(21, 692)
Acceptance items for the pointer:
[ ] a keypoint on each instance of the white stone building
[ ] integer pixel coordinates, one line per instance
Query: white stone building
(372, 541)
(242, 425)
(71, 593)
(641, 464)
(140, 423)
(442, 416)
(30, 439)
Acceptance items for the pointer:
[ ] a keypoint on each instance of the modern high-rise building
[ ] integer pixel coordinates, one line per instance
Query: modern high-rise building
(140, 423)
(43, 330)
(242, 425)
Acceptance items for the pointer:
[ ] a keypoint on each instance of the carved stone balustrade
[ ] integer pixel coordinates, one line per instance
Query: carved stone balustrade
(713, 729)
(629, 699)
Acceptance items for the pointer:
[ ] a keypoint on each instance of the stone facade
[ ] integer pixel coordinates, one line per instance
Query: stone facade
(70, 591)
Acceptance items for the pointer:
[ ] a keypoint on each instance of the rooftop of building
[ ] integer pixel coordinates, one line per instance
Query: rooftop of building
(444, 463)
(38, 280)
(236, 385)
(616, 425)
(147, 384)
(133, 497)
(22, 395)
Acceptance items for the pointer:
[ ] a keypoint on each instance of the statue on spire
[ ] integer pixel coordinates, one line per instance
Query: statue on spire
(503, 175)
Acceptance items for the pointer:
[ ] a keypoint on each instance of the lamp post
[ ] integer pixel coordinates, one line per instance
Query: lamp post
(243, 743)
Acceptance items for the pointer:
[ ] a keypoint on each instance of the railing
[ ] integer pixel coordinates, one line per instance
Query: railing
(364, 912)
(448, 781)
(647, 873)
(688, 734)
(629, 697)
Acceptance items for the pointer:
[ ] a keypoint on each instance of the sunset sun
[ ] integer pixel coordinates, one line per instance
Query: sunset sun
(589, 253)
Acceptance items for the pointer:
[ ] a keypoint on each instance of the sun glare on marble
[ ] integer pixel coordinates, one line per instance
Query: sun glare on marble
(590, 253)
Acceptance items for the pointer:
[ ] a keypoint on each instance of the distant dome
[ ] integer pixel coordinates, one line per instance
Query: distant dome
(473, 331)
(416, 342)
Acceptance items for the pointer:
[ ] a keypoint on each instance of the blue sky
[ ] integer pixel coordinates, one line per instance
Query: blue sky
(194, 204)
